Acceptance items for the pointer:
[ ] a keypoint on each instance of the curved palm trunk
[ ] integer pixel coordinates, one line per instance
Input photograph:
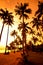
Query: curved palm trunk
(1, 31)
(7, 39)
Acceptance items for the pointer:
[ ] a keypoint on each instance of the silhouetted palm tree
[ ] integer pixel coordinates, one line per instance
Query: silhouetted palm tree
(13, 33)
(25, 29)
(3, 16)
(18, 39)
(36, 23)
(17, 42)
(8, 21)
(39, 12)
(23, 11)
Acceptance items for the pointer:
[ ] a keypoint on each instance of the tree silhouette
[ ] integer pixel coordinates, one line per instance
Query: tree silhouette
(20, 27)
(3, 15)
(18, 40)
(23, 12)
(36, 23)
(13, 33)
(39, 12)
(8, 20)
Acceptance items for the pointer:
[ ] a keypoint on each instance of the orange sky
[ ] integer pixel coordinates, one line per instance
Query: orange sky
(10, 5)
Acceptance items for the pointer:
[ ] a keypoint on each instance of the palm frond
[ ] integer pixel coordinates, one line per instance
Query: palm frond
(17, 11)
(26, 16)
(36, 12)
(29, 28)
(25, 5)
(2, 10)
(28, 11)
(13, 33)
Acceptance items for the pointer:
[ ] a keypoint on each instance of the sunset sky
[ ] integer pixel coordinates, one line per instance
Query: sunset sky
(10, 5)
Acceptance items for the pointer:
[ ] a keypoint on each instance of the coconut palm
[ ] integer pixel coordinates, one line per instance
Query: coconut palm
(8, 20)
(23, 11)
(4, 15)
(36, 23)
(25, 26)
(13, 33)
(20, 27)
(39, 12)
(18, 39)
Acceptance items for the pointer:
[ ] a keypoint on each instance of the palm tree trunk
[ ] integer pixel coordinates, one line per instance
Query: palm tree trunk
(1, 31)
(42, 23)
(23, 35)
(24, 38)
(7, 39)
(25, 41)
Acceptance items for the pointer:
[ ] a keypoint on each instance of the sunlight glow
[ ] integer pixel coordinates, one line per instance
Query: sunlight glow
(10, 6)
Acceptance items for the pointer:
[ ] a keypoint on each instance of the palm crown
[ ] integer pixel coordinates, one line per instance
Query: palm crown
(36, 23)
(22, 10)
(39, 12)
(26, 27)
(5, 14)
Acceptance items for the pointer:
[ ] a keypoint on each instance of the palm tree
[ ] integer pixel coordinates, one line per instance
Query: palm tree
(36, 23)
(25, 29)
(39, 12)
(18, 39)
(23, 11)
(13, 33)
(8, 20)
(4, 15)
